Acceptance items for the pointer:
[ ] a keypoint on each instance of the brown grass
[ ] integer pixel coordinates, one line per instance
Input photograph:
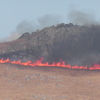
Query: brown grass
(48, 83)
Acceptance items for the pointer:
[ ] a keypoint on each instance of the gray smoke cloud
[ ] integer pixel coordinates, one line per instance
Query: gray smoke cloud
(31, 26)
(26, 26)
(48, 20)
(82, 18)
(88, 59)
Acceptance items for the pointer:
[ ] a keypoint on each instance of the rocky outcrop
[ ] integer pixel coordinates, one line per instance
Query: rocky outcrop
(24, 35)
(65, 41)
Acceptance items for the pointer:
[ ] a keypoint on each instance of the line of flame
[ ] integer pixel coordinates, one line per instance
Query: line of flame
(58, 64)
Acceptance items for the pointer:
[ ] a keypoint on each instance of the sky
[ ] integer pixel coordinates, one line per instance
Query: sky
(18, 16)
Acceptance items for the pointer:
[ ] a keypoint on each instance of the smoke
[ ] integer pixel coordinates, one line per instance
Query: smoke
(87, 19)
(31, 26)
(76, 17)
(48, 20)
(88, 59)
(82, 18)
(26, 26)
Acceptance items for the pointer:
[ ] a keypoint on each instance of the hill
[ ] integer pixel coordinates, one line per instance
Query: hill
(72, 43)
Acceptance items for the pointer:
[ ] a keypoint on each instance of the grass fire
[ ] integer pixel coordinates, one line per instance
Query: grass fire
(77, 46)
(55, 64)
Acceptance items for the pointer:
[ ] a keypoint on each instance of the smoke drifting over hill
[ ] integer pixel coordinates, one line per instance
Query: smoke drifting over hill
(32, 26)
(82, 18)
(74, 16)
(77, 44)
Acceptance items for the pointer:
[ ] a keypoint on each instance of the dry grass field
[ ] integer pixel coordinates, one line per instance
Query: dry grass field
(48, 83)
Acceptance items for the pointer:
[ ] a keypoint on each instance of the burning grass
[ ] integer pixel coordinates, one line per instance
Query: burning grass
(58, 64)
(19, 82)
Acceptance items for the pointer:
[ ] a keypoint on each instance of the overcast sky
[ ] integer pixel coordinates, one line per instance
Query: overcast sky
(29, 15)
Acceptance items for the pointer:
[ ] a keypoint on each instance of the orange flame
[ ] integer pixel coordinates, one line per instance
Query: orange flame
(58, 64)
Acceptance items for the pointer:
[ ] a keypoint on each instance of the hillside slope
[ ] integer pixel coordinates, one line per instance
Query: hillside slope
(72, 43)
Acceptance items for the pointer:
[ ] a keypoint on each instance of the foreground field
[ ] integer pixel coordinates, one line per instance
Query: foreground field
(48, 83)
